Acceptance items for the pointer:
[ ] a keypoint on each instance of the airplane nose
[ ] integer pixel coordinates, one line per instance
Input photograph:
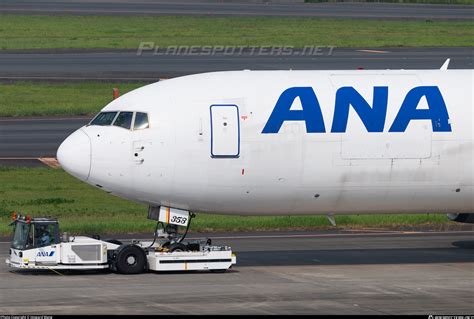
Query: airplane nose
(74, 154)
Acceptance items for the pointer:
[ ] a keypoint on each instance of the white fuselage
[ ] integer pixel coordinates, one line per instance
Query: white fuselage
(230, 165)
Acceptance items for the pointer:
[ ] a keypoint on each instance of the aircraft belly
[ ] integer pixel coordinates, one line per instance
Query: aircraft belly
(326, 183)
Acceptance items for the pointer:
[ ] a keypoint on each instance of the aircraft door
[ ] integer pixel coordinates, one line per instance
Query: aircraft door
(225, 131)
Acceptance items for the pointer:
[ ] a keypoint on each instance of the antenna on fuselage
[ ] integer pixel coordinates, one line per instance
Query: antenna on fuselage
(331, 219)
(445, 65)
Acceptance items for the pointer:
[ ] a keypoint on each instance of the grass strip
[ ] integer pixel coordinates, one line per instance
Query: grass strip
(126, 32)
(43, 99)
(83, 209)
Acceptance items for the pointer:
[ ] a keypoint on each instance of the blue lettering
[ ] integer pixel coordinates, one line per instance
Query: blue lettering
(45, 254)
(436, 112)
(311, 112)
(372, 117)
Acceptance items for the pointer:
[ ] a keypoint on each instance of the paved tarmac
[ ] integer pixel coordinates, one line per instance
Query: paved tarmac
(30, 138)
(239, 8)
(128, 66)
(284, 273)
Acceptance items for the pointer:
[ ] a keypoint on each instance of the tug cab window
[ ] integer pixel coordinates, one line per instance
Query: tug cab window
(44, 235)
(104, 118)
(22, 238)
(124, 119)
(35, 233)
(141, 121)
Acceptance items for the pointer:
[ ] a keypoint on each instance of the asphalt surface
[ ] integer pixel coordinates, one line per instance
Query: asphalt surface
(24, 140)
(127, 65)
(285, 273)
(30, 138)
(234, 8)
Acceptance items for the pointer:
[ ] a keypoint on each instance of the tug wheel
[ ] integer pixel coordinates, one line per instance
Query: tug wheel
(130, 259)
(177, 247)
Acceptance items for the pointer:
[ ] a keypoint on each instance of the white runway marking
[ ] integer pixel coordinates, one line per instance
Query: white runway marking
(373, 51)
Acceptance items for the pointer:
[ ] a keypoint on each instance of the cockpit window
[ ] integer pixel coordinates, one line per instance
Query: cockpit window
(104, 118)
(141, 121)
(124, 119)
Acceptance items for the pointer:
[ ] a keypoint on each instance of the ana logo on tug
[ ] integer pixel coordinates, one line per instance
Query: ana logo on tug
(373, 116)
(45, 254)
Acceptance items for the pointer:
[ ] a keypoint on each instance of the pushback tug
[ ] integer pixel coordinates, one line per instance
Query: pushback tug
(37, 244)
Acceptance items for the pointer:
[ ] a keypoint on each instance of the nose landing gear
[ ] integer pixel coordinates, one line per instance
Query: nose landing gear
(169, 251)
(167, 236)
